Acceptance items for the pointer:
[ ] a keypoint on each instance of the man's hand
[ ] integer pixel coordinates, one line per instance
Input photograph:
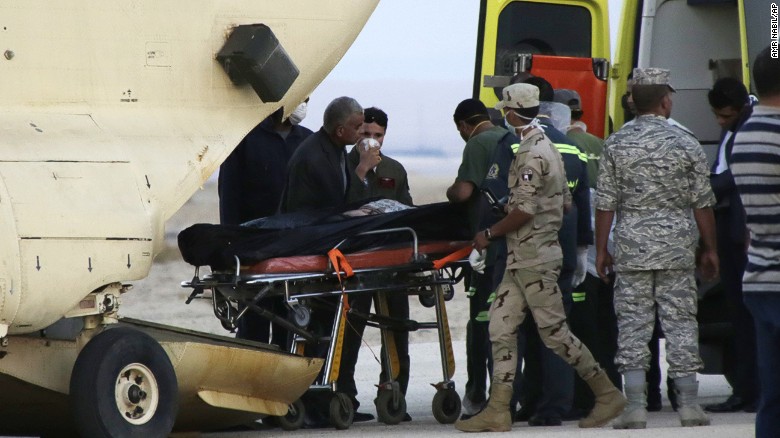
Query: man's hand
(369, 155)
(604, 265)
(480, 241)
(709, 264)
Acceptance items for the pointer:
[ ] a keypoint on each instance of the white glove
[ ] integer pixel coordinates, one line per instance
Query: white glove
(582, 266)
(477, 260)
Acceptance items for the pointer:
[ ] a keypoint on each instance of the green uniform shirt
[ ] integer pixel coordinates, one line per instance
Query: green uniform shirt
(592, 146)
(477, 158)
(388, 180)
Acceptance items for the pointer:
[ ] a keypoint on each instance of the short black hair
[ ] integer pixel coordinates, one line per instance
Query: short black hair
(375, 115)
(648, 97)
(728, 92)
(546, 91)
(471, 111)
(766, 74)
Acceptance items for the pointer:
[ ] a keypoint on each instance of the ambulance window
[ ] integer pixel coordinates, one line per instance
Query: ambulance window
(538, 28)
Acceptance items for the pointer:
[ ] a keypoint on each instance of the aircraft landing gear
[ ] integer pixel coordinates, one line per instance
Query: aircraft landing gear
(123, 384)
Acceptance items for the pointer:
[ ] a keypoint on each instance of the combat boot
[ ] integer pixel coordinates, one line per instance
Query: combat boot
(634, 416)
(495, 417)
(609, 401)
(691, 414)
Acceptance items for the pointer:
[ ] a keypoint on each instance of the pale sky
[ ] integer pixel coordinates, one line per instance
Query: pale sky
(415, 60)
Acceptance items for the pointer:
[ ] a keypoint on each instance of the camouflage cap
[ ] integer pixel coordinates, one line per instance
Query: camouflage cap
(652, 76)
(519, 96)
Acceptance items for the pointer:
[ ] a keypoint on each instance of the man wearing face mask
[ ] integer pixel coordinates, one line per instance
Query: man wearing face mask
(250, 185)
(481, 136)
(376, 175)
(538, 196)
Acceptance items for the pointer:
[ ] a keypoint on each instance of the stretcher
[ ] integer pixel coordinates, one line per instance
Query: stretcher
(322, 283)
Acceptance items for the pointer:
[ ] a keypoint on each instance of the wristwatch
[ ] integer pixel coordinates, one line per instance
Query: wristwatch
(488, 234)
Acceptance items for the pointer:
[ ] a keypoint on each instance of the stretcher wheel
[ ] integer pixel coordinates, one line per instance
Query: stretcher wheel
(446, 406)
(293, 420)
(301, 316)
(341, 411)
(448, 292)
(390, 411)
(427, 298)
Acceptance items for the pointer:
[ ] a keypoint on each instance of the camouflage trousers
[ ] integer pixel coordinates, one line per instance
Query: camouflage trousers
(673, 293)
(533, 289)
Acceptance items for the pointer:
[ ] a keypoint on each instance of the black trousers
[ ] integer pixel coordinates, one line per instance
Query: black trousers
(743, 358)
(592, 319)
(398, 307)
(479, 355)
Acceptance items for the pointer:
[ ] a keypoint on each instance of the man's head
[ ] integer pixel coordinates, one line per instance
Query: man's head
(546, 91)
(374, 125)
(468, 115)
(571, 99)
(766, 75)
(520, 103)
(651, 91)
(342, 120)
(727, 98)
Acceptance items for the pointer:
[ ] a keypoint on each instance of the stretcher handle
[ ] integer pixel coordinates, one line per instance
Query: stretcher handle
(455, 256)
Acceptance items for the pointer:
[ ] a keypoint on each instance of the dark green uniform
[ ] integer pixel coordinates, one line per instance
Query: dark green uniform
(387, 180)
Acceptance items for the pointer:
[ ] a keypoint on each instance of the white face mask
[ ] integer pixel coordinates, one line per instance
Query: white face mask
(298, 114)
(534, 123)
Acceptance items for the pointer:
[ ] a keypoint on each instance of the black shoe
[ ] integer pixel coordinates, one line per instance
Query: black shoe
(362, 416)
(523, 414)
(538, 420)
(575, 414)
(407, 417)
(732, 404)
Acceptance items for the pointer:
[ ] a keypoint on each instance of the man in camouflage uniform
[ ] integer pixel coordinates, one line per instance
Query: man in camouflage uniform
(538, 194)
(654, 175)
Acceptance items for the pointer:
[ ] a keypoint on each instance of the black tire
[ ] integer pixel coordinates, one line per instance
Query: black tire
(427, 298)
(341, 413)
(388, 412)
(446, 406)
(123, 384)
(293, 420)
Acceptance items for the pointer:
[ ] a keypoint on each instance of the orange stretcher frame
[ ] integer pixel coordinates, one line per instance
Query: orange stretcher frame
(376, 258)
(426, 269)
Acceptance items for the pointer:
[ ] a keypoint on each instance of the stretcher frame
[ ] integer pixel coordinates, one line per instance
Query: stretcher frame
(235, 292)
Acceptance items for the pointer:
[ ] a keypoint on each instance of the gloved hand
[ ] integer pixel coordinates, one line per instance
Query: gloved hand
(582, 266)
(477, 260)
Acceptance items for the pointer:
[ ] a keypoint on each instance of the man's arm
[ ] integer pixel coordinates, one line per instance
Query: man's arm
(709, 263)
(460, 191)
(604, 220)
(511, 222)
(229, 187)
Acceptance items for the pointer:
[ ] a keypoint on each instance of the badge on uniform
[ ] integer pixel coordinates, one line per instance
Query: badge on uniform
(387, 183)
(526, 174)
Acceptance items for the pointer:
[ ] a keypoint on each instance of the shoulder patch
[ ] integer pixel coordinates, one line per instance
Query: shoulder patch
(493, 171)
(526, 174)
